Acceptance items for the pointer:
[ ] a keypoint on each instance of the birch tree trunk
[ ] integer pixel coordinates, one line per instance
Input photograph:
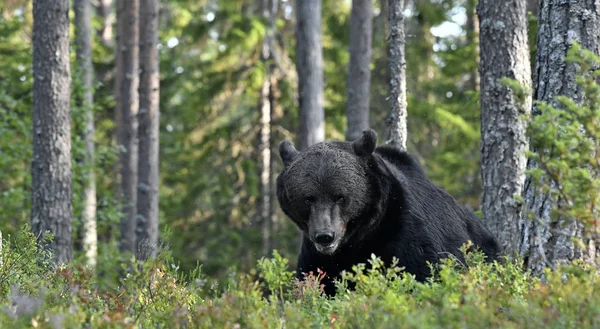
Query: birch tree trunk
(149, 115)
(51, 208)
(127, 110)
(547, 241)
(396, 133)
(309, 65)
(83, 41)
(504, 53)
(359, 70)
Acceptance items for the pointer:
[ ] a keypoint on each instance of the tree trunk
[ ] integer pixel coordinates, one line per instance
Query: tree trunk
(396, 123)
(359, 70)
(472, 39)
(127, 110)
(83, 41)
(504, 53)
(51, 208)
(533, 7)
(264, 149)
(547, 241)
(266, 104)
(105, 32)
(147, 199)
(309, 64)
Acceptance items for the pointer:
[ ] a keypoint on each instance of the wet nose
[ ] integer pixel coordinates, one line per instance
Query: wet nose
(324, 237)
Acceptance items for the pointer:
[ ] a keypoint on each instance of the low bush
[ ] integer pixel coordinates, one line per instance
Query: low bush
(156, 294)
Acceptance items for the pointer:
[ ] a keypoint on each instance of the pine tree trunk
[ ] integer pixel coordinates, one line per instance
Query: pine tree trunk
(504, 53)
(359, 71)
(51, 208)
(105, 32)
(127, 110)
(472, 39)
(83, 40)
(547, 241)
(265, 164)
(396, 123)
(309, 64)
(269, 11)
(533, 7)
(147, 199)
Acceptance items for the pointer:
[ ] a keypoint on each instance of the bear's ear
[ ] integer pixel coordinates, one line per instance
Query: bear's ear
(287, 152)
(365, 145)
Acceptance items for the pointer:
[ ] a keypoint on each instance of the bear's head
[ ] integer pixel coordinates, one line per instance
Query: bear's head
(327, 188)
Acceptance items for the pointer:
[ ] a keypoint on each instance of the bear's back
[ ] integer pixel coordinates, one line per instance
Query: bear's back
(448, 223)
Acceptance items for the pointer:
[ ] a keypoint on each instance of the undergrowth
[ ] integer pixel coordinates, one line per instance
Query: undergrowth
(156, 294)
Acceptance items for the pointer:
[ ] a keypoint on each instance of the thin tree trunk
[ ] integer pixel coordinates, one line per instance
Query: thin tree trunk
(51, 208)
(147, 199)
(105, 32)
(396, 123)
(309, 64)
(269, 11)
(359, 71)
(533, 7)
(265, 165)
(83, 40)
(472, 39)
(127, 110)
(274, 95)
(504, 53)
(547, 241)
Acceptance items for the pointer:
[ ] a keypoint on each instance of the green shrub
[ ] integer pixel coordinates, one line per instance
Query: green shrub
(156, 294)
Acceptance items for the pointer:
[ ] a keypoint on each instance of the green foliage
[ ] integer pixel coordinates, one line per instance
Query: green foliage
(210, 83)
(157, 294)
(565, 139)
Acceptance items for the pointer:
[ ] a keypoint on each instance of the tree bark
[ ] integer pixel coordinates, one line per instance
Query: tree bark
(51, 208)
(265, 165)
(266, 104)
(309, 65)
(397, 133)
(105, 32)
(533, 7)
(504, 53)
(359, 70)
(472, 39)
(127, 110)
(547, 241)
(83, 41)
(149, 115)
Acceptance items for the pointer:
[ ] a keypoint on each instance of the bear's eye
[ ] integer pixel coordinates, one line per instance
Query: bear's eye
(309, 199)
(340, 199)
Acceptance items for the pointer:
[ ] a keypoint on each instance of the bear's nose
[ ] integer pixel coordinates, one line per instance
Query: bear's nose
(324, 237)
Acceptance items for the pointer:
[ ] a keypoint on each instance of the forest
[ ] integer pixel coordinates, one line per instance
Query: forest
(139, 156)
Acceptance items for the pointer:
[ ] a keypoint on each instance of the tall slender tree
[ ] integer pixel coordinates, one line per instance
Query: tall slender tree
(359, 71)
(504, 53)
(83, 41)
(127, 81)
(309, 64)
(547, 241)
(149, 114)
(396, 123)
(51, 208)
(105, 32)
(266, 105)
(472, 39)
